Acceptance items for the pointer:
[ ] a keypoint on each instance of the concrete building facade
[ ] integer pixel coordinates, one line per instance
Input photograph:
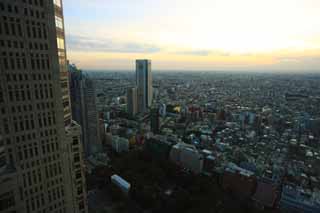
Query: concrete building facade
(36, 153)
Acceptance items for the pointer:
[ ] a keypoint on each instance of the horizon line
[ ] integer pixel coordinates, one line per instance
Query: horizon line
(204, 71)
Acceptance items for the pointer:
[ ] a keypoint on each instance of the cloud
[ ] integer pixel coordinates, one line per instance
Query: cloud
(298, 63)
(202, 53)
(92, 44)
(299, 59)
(194, 52)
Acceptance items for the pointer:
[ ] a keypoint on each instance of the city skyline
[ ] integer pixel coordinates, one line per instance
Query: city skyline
(190, 35)
(105, 138)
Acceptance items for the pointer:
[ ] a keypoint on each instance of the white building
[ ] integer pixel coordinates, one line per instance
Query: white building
(187, 156)
(121, 183)
(120, 144)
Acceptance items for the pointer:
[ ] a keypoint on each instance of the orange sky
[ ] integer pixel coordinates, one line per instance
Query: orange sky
(194, 34)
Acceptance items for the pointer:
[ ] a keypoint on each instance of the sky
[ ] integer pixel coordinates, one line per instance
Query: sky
(194, 34)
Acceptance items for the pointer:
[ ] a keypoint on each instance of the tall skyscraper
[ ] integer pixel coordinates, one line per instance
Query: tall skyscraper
(132, 101)
(84, 109)
(40, 152)
(144, 84)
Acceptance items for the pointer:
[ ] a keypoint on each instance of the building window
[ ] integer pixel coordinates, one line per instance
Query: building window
(60, 43)
(57, 2)
(76, 158)
(59, 22)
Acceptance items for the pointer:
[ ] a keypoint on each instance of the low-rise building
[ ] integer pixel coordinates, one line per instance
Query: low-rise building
(187, 156)
(238, 181)
(297, 199)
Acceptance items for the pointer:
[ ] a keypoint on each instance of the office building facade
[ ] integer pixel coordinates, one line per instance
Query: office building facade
(84, 109)
(144, 84)
(132, 101)
(40, 171)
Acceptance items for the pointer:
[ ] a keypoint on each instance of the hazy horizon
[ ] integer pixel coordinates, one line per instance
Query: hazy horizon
(210, 71)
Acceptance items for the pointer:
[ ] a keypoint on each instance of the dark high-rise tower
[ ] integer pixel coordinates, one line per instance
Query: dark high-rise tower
(40, 149)
(84, 109)
(144, 84)
(132, 101)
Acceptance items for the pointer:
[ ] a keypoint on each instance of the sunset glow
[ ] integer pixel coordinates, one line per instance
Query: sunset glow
(190, 34)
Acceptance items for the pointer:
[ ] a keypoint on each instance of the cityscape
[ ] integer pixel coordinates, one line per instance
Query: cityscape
(89, 127)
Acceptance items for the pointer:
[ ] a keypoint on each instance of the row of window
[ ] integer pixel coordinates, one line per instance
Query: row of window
(26, 153)
(23, 123)
(43, 92)
(16, 77)
(34, 2)
(12, 44)
(57, 207)
(52, 170)
(40, 63)
(9, 8)
(38, 31)
(55, 193)
(53, 182)
(35, 203)
(22, 108)
(19, 93)
(20, 45)
(11, 26)
(27, 123)
(49, 148)
(25, 137)
(38, 46)
(46, 133)
(32, 191)
(34, 13)
(30, 151)
(45, 105)
(49, 158)
(21, 77)
(17, 62)
(46, 120)
(32, 178)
